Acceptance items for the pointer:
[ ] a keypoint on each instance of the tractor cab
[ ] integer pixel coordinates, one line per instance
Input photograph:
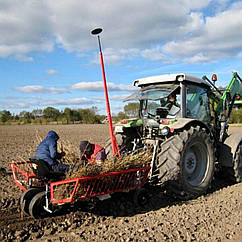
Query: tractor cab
(172, 96)
(161, 101)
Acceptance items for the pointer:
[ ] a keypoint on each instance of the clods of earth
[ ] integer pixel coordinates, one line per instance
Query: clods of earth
(216, 216)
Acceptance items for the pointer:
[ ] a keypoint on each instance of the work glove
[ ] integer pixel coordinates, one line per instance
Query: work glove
(63, 154)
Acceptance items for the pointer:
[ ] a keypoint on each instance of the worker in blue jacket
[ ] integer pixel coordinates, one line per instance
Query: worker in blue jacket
(47, 151)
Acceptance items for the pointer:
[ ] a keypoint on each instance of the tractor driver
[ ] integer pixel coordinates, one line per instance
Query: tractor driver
(171, 100)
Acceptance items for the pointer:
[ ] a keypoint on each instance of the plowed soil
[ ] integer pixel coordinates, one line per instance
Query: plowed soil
(217, 216)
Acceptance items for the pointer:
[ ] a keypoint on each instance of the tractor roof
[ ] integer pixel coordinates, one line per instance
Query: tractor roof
(168, 78)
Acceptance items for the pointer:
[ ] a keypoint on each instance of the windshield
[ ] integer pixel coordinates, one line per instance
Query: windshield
(162, 102)
(154, 93)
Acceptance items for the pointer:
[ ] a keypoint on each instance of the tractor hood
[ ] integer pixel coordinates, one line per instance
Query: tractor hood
(128, 123)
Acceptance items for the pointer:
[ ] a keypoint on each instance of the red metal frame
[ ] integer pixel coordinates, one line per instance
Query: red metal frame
(70, 190)
(93, 186)
(26, 176)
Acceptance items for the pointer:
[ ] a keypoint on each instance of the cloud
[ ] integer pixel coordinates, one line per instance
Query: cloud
(114, 97)
(154, 54)
(81, 86)
(218, 38)
(73, 101)
(200, 57)
(52, 72)
(18, 104)
(22, 97)
(28, 26)
(23, 104)
(125, 23)
(23, 58)
(185, 30)
(40, 89)
(98, 87)
(114, 109)
(25, 26)
(115, 56)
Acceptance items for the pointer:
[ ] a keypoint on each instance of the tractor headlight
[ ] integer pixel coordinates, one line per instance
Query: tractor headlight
(118, 129)
(165, 131)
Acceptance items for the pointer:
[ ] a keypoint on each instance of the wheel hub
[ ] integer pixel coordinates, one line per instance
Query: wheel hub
(190, 162)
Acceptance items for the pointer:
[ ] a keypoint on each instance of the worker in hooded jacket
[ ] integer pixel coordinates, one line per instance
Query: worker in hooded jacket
(47, 151)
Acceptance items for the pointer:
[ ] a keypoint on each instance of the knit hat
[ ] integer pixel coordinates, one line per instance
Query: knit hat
(85, 146)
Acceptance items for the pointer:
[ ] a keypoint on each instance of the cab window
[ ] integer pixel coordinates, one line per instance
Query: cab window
(197, 103)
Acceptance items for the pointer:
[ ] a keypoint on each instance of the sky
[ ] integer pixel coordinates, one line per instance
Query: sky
(48, 57)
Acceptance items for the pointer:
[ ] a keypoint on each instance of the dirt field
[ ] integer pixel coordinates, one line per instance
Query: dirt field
(214, 217)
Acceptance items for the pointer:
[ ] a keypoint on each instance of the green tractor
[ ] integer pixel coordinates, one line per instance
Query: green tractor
(184, 121)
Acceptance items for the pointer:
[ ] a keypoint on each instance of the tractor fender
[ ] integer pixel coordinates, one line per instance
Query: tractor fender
(228, 149)
(181, 123)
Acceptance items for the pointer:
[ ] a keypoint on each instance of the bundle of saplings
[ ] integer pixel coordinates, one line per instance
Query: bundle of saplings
(123, 162)
(81, 168)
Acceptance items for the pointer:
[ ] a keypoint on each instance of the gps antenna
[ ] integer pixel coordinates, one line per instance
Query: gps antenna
(115, 147)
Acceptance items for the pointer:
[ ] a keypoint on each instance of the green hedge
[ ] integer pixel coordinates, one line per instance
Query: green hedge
(236, 116)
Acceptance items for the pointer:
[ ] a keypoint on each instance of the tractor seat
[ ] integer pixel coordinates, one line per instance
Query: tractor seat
(44, 172)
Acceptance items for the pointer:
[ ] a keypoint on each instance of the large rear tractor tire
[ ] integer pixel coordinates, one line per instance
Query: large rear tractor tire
(186, 162)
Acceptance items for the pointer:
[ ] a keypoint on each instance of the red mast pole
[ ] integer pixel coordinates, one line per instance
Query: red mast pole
(115, 147)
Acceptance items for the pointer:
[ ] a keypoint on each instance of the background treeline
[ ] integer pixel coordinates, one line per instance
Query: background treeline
(236, 116)
(89, 116)
(52, 115)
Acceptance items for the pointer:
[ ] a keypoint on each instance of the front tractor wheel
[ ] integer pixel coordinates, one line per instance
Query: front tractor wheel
(125, 144)
(234, 173)
(186, 160)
